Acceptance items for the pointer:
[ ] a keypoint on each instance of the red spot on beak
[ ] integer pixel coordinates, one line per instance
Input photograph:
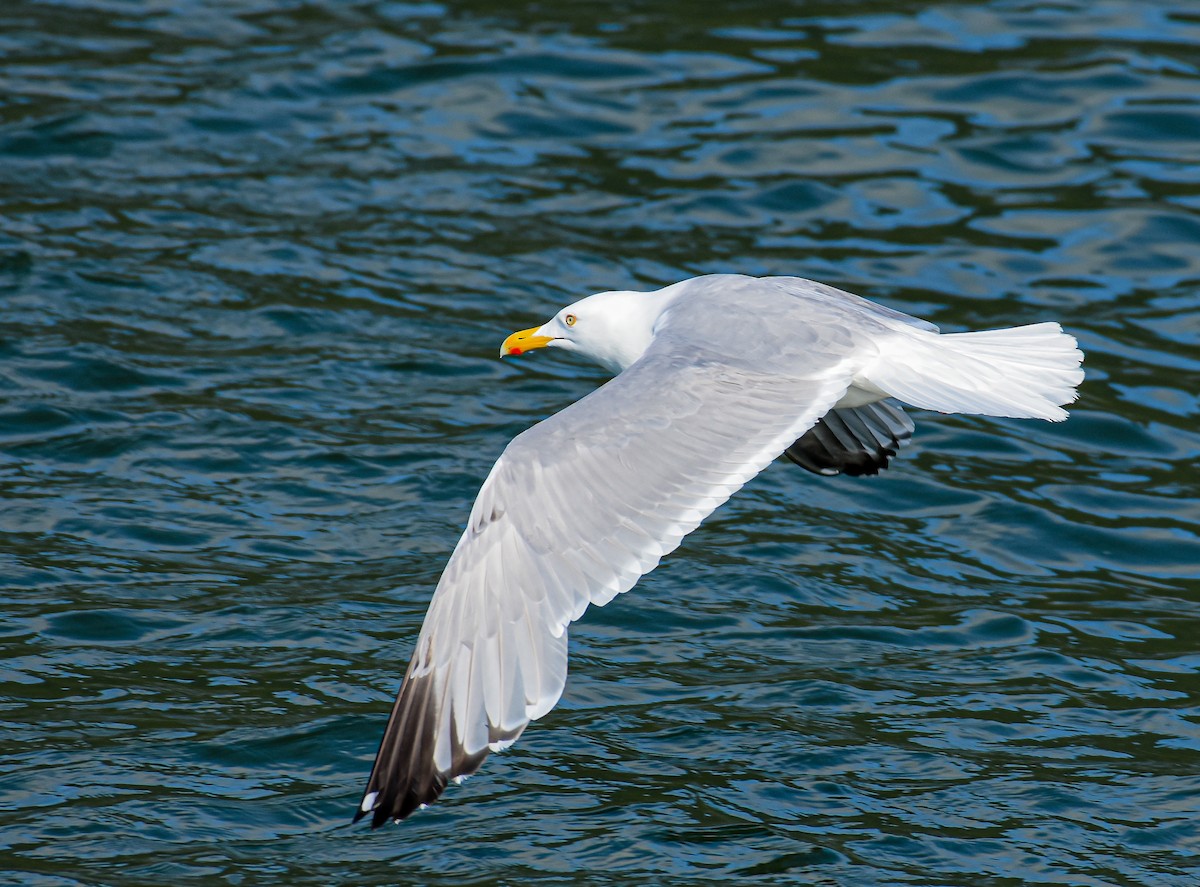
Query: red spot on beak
(515, 352)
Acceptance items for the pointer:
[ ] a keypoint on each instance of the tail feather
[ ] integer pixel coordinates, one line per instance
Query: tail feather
(1022, 372)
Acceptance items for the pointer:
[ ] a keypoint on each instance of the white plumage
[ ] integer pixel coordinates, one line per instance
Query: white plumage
(717, 376)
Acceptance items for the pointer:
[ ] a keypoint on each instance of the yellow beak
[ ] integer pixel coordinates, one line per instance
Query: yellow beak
(525, 340)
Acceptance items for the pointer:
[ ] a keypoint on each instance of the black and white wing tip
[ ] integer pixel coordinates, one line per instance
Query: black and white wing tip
(854, 441)
(406, 777)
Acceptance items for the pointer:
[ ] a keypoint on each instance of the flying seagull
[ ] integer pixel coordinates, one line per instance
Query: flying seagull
(716, 377)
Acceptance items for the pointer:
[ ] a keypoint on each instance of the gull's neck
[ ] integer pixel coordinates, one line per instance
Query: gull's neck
(631, 319)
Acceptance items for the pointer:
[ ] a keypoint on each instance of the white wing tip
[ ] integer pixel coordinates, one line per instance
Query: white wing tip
(368, 802)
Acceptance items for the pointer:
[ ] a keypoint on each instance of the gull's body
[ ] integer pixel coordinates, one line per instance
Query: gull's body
(716, 377)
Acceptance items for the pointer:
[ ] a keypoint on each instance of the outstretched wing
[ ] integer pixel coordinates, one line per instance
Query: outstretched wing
(575, 511)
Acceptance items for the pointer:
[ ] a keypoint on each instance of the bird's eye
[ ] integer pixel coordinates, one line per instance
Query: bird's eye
(569, 320)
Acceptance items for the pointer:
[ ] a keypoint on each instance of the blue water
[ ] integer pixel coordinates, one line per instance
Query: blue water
(256, 259)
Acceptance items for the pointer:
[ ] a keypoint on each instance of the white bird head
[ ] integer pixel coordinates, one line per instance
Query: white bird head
(613, 329)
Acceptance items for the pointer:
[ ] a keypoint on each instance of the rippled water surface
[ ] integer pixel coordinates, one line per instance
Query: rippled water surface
(256, 259)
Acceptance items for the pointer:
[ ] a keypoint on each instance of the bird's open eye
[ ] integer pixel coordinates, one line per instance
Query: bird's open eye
(569, 320)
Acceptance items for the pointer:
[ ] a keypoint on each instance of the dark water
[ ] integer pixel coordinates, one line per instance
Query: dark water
(256, 259)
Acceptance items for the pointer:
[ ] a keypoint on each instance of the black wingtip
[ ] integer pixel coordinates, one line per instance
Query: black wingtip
(405, 777)
(853, 441)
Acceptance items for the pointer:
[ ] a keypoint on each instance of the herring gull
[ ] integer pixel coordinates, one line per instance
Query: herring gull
(716, 377)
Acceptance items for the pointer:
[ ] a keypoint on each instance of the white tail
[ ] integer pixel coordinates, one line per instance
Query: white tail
(1025, 372)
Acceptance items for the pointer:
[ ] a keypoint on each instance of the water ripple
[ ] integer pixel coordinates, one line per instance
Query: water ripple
(255, 262)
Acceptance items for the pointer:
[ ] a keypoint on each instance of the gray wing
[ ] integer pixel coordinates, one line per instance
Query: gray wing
(815, 290)
(575, 511)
